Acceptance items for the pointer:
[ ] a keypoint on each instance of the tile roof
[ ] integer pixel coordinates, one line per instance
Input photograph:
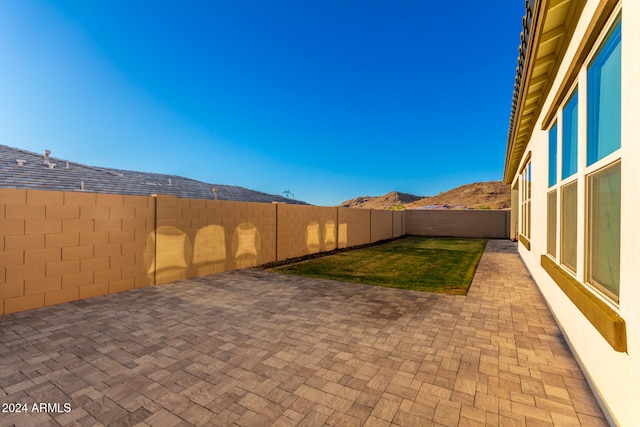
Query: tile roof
(34, 174)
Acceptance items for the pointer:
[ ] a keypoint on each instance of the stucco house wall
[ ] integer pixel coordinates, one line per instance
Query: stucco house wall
(614, 373)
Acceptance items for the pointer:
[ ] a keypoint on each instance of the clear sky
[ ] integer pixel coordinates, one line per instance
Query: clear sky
(328, 99)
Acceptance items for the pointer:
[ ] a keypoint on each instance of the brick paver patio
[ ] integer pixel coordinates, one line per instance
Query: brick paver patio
(257, 348)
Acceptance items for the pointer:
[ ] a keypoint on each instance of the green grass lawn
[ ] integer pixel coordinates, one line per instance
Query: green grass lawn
(432, 264)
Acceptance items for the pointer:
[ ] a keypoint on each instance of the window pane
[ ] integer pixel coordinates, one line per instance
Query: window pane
(528, 207)
(603, 230)
(525, 201)
(523, 210)
(553, 155)
(603, 100)
(569, 226)
(570, 137)
(529, 219)
(552, 204)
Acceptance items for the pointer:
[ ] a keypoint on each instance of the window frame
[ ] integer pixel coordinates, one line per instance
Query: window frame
(553, 159)
(601, 311)
(570, 159)
(588, 252)
(602, 48)
(525, 200)
(598, 165)
(585, 171)
(570, 264)
(552, 223)
(553, 172)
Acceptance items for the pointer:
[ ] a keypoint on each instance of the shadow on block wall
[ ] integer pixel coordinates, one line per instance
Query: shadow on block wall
(330, 234)
(246, 245)
(179, 257)
(318, 238)
(209, 249)
(342, 235)
(312, 237)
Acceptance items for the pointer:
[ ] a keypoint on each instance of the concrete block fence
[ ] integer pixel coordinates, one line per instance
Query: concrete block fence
(63, 246)
(491, 224)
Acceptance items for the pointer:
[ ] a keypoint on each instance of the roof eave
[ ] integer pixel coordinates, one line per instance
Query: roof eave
(553, 23)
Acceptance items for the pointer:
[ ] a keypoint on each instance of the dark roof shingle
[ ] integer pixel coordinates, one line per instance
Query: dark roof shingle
(34, 174)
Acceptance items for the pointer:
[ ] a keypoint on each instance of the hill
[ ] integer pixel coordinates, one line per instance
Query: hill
(479, 195)
(387, 201)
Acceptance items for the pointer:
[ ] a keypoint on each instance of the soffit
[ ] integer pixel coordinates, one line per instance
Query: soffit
(553, 24)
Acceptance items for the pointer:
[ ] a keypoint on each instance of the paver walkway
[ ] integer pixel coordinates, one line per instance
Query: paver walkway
(257, 348)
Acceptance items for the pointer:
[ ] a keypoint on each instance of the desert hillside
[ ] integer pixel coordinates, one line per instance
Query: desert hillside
(479, 195)
(387, 201)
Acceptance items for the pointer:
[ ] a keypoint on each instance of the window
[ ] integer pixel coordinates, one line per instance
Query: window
(602, 252)
(603, 230)
(585, 182)
(525, 201)
(553, 155)
(603, 99)
(570, 137)
(569, 226)
(552, 213)
(569, 191)
(552, 195)
(589, 165)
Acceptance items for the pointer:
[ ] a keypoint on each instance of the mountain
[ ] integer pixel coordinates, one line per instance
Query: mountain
(479, 195)
(387, 201)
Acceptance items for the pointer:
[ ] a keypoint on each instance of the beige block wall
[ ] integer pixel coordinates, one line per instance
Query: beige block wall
(381, 225)
(494, 224)
(398, 223)
(62, 246)
(304, 230)
(354, 227)
(199, 237)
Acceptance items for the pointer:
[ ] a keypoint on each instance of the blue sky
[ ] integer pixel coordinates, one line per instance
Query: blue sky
(330, 100)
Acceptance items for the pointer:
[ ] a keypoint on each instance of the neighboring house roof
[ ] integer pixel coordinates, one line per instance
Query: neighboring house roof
(547, 29)
(34, 174)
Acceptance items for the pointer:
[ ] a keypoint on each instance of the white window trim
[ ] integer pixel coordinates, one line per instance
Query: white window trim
(583, 170)
(525, 200)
